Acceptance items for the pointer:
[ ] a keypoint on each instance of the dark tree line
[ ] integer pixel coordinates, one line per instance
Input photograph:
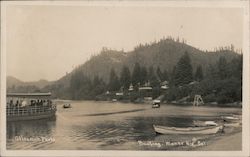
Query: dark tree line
(82, 87)
(222, 83)
(140, 76)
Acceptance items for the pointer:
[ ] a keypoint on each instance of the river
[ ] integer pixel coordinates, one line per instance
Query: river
(91, 125)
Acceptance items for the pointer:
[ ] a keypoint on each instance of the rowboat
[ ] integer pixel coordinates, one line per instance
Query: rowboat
(189, 130)
(66, 106)
(156, 103)
(231, 118)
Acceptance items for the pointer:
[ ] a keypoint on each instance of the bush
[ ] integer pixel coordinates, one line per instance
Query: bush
(209, 98)
(134, 96)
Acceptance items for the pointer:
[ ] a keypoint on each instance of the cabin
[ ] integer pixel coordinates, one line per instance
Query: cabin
(145, 92)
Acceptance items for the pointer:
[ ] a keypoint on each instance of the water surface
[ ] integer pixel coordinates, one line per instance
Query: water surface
(91, 125)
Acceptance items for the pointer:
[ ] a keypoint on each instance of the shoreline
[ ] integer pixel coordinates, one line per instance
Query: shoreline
(231, 142)
(228, 105)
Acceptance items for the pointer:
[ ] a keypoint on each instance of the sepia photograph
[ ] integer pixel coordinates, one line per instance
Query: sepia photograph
(125, 78)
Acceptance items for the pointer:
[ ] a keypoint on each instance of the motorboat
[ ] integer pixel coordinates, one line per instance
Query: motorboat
(67, 106)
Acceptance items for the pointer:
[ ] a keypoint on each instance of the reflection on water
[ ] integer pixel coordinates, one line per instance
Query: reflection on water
(110, 113)
(31, 128)
(102, 125)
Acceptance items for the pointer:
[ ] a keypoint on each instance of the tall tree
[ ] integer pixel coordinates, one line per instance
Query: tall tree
(212, 72)
(222, 68)
(96, 81)
(125, 77)
(199, 73)
(143, 75)
(184, 70)
(98, 86)
(114, 83)
(165, 76)
(159, 74)
(152, 77)
(235, 67)
(136, 74)
(172, 77)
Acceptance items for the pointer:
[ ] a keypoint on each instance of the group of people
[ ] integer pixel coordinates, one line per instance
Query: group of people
(40, 102)
(11, 103)
(22, 103)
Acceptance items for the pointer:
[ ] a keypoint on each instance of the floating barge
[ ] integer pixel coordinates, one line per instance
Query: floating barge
(29, 106)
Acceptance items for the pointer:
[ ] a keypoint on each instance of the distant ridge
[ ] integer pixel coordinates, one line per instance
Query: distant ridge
(12, 81)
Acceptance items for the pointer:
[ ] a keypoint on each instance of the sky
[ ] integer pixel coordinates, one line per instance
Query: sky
(46, 42)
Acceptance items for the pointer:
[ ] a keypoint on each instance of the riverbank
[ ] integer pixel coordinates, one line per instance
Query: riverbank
(184, 104)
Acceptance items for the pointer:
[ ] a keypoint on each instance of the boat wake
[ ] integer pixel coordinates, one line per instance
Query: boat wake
(64, 118)
(111, 113)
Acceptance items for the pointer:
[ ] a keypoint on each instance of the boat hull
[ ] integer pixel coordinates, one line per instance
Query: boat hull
(66, 106)
(231, 119)
(194, 130)
(156, 106)
(46, 115)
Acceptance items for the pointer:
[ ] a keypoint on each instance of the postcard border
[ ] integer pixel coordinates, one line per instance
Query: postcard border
(246, 74)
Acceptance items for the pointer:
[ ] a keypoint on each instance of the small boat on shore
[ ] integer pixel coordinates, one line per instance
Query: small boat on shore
(156, 104)
(67, 106)
(231, 118)
(189, 130)
(114, 100)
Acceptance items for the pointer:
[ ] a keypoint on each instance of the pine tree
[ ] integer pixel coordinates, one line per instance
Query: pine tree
(98, 86)
(152, 77)
(114, 83)
(184, 71)
(159, 74)
(222, 68)
(199, 73)
(172, 77)
(136, 74)
(125, 77)
(143, 75)
(165, 76)
(96, 81)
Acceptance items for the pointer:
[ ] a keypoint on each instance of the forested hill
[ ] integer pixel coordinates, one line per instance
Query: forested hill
(164, 54)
